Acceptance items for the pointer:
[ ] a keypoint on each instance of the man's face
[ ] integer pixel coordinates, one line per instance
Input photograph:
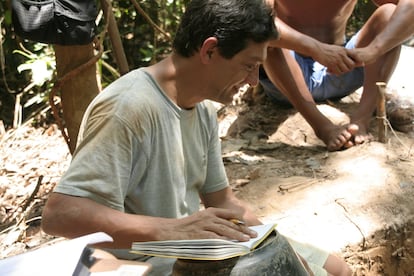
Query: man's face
(241, 69)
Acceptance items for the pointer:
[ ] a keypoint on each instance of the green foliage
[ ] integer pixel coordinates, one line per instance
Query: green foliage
(142, 43)
(29, 62)
(362, 11)
(41, 65)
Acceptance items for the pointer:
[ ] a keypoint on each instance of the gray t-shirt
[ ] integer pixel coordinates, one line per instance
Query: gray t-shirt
(140, 153)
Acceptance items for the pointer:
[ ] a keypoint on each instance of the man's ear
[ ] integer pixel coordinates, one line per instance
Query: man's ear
(208, 49)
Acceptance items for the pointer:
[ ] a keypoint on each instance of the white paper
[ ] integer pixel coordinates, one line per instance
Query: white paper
(59, 259)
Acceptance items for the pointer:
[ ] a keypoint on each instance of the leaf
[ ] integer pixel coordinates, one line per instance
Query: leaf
(40, 72)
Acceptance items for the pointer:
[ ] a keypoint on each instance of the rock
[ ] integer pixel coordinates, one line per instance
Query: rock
(400, 111)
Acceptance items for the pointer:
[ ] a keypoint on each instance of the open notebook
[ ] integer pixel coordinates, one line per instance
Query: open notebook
(203, 249)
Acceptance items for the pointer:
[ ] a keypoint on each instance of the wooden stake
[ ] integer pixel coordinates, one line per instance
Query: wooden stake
(115, 37)
(381, 113)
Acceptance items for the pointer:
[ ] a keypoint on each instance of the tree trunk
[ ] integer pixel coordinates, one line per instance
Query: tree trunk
(78, 92)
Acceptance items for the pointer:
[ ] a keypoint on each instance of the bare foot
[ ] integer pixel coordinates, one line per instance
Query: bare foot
(340, 137)
(362, 135)
(343, 137)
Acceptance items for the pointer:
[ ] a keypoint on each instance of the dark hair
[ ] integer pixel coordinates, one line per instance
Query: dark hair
(233, 22)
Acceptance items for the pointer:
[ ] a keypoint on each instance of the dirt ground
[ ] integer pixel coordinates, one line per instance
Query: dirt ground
(357, 203)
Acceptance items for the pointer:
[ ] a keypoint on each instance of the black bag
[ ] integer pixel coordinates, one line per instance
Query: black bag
(63, 22)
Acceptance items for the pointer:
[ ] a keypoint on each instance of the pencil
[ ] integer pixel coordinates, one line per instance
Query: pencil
(237, 221)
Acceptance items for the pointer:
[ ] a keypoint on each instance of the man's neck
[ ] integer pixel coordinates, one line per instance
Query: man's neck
(180, 80)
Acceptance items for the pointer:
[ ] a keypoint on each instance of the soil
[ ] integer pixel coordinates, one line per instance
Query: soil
(357, 203)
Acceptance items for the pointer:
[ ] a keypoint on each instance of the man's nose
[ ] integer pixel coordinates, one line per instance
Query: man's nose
(253, 77)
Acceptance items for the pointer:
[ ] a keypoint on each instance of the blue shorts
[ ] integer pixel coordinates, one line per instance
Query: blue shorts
(321, 84)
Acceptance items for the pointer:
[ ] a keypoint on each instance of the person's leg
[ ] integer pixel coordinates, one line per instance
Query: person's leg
(336, 266)
(379, 71)
(284, 71)
(319, 261)
(321, 84)
(270, 89)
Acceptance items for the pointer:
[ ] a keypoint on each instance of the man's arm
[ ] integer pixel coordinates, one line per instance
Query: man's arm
(399, 28)
(336, 58)
(71, 216)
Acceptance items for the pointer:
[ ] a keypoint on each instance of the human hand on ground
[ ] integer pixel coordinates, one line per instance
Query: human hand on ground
(208, 224)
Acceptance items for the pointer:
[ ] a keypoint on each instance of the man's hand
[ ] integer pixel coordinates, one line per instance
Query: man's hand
(363, 56)
(337, 59)
(208, 224)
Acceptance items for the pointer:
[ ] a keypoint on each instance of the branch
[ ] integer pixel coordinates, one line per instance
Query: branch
(149, 20)
(114, 35)
(61, 81)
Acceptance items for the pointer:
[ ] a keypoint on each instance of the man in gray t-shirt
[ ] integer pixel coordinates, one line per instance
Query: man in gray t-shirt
(148, 149)
(139, 152)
